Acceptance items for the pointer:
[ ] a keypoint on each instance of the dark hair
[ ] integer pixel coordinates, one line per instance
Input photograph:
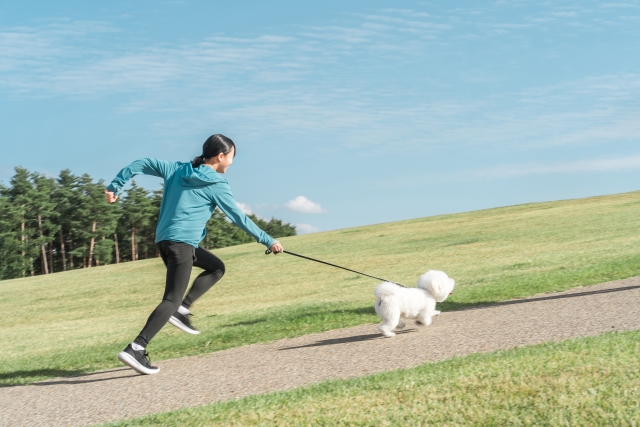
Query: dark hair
(213, 146)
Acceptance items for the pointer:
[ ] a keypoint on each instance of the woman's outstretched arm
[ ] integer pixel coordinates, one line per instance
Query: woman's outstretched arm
(227, 204)
(147, 166)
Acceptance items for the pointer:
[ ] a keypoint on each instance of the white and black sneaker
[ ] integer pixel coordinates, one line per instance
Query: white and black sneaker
(183, 322)
(138, 360)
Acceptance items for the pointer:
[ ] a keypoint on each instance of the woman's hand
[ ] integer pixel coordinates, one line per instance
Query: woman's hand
(111, 197)
(276, 248)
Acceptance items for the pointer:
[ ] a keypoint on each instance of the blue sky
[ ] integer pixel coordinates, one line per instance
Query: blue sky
(343, 114)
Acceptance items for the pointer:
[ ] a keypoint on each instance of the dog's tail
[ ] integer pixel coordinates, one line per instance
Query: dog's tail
(385, 290)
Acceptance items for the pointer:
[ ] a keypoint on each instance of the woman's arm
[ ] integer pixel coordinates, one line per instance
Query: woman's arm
(227, 204)
(147, 166)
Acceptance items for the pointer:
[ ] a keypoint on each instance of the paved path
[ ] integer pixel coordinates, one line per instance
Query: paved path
(120, 393)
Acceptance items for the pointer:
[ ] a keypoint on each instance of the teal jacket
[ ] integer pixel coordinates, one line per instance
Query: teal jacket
(189, 199)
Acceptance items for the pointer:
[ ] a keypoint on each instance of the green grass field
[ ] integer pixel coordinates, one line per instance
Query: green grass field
(585, 382)
(75, 322)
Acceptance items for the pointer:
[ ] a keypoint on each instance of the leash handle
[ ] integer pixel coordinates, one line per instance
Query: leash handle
(268, 251)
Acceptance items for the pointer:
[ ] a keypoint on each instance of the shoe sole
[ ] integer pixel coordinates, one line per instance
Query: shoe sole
(130, 361)
(178, 324)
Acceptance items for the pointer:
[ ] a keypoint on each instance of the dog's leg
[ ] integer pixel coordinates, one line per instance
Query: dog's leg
(424, 318)
(401, 325)
(390, 316)
(383, 330)
(436, 312)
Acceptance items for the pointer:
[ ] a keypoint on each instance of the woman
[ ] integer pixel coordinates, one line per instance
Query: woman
(192, 190)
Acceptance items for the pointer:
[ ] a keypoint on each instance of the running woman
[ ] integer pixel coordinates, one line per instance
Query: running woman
(192, 190)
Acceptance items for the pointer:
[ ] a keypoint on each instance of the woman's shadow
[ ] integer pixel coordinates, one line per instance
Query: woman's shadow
(72, 376)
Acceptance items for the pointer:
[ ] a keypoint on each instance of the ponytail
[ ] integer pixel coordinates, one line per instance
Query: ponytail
(197, 161)
(213, 146)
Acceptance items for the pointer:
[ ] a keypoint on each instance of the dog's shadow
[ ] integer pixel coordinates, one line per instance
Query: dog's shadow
(346, 340)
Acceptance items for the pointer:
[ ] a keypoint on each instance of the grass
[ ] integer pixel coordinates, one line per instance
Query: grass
(75, 322)
(584, 382)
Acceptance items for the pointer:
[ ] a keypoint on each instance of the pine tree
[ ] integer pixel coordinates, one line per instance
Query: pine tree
(103, 251)
(46, 216)
(92, 221)
(10, 248)
(221, 232)
(136, 213)
(274, 227)
(20, 194)
(147, 235)
(104, 217)
(82, 223)
(64, 197)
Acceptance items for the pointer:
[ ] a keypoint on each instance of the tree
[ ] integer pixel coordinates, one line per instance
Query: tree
(275, 227)
(136, 213)
(46, 216)
(104, 216)
(20, 194)
(10, 248)
(148, 232)
(221, 232)
(64, 198)
(82, 223)
(103, 251)
(92, 220)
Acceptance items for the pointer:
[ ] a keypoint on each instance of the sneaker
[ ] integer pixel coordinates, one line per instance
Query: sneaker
(138, 360)
(183, 322)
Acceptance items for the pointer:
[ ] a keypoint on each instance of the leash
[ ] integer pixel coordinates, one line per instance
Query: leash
(268, 251)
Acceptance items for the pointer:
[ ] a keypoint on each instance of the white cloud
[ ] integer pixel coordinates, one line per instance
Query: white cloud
(306, 228)
(303, 205)
(246, 209)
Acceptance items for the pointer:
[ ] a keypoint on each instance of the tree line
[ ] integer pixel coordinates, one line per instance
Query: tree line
(65, 223)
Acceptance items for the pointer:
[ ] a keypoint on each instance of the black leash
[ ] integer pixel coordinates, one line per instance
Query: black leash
(268, 251)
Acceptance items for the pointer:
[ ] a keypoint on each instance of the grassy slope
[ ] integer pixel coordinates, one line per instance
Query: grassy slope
(585, 382)
(75, 322)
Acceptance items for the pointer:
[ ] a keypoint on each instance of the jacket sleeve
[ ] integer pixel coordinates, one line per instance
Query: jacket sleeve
(147, 166)
(227, 204)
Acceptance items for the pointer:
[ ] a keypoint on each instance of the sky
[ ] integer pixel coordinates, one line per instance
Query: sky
(343, 113)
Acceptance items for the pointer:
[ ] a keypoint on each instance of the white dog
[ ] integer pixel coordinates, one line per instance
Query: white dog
(394, 302)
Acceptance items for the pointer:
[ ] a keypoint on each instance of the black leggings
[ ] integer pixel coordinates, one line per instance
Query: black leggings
(179, 259)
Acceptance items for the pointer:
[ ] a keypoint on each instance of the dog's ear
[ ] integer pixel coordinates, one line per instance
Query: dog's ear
(436, 287)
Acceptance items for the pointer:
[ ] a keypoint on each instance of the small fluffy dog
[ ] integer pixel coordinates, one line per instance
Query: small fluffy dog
(394, 302)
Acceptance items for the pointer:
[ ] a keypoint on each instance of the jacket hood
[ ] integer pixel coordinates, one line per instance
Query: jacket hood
(201, 176)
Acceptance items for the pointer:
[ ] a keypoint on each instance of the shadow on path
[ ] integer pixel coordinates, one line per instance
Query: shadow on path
(74, 376)
(35, 373)
(481, 305)
(356, 338)
(82, 379)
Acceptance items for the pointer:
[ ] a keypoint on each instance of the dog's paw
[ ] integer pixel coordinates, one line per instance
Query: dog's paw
(424, 322)
(436, 312)
(385, 331)
(401, 325)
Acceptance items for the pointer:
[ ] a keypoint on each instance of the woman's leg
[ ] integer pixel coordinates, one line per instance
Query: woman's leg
(213, 271)
(178, 257)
